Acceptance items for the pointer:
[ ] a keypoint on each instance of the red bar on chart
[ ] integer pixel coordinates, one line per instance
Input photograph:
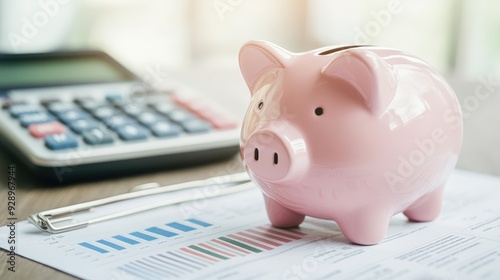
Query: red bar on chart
(208, 247)
(267, 241)
(256, 244)
(265, 234)
(200, 255)
(279, 232)
(231, 246)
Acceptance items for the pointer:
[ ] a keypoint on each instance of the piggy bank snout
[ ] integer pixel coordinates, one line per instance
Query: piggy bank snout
(267, 156)
(276, 156)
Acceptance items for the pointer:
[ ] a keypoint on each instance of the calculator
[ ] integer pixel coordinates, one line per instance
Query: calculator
(81, 114)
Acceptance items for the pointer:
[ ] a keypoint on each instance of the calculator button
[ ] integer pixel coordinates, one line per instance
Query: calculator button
(80, 100)
(164, 108)
(180, 116)
(48, 101)
(120, 102)
(72, 115)
(114, 97)
(183, 100)
(148, 118)
(61, 141)
(194, 105)
(17, 110)
(196, 126)
(41, 117)
(117, 121)
(97, 136)
(88, 103)
(165, 129)
(132, 109)
(82, 125)
(132, 132)
(117, 100)
(59, 107)
(104, 112)
(223, 122)
(6, 104)
(219, 120)
(41, 130)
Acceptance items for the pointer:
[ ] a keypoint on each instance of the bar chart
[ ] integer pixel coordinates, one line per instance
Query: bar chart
(197, 257)
(123, 241)
(190, 256)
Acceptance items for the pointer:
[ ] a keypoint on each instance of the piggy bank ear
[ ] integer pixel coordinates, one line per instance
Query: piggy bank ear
(259, 57)
(372, 77)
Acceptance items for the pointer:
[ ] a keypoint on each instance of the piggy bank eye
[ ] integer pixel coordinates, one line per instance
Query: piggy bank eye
(318, 111)
(261, 105)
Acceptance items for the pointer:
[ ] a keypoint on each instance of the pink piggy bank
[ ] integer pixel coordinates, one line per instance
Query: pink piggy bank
(354, 134)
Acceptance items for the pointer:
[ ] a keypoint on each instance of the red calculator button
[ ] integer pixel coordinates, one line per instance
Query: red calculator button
(207, 111)
(222, 121)
(41, 130)
(218, 119)
(183, 100)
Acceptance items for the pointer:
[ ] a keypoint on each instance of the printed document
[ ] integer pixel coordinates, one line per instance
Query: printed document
(230, 237)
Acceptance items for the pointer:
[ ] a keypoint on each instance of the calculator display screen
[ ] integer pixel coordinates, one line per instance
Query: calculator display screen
(25, 71)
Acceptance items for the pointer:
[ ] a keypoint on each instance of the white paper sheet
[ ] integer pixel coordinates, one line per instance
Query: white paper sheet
(230, 238)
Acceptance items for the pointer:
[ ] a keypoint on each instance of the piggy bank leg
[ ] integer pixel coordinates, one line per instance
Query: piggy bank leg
(281, 216)
(366, 226)
(426, 208)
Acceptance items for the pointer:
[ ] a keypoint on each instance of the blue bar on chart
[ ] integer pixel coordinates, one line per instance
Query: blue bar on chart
(162, 232)
(126, 239)
(143, 236)
(198, 222)
(111, 244)
(180, 227)
(92, 247)
(122, 241)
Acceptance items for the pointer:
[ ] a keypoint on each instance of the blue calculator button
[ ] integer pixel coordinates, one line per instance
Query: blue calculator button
(97, 136)
(132, 109)
(72, 115)
(7, 103)
(50, 100)
(118, 98)
(132, 132)
(148, 118)
(117, 121)
(165, 129)
(59, 107)
(180, 116)
(104, 112)
(164, 108)
(88, 103)
(17, 110)
(61, 141)
(196, 126)
(33, 118)
(82, 125)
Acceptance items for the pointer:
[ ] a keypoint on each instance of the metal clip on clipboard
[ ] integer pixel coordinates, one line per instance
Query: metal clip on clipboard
(47, 220)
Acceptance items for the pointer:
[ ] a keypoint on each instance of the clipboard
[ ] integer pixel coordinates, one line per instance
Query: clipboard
(62, 219)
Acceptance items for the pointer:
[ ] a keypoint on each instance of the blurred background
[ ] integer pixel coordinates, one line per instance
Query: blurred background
(197, 42)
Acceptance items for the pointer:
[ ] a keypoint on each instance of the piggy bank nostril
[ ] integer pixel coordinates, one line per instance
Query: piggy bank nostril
(256, 154)
(275, 158)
